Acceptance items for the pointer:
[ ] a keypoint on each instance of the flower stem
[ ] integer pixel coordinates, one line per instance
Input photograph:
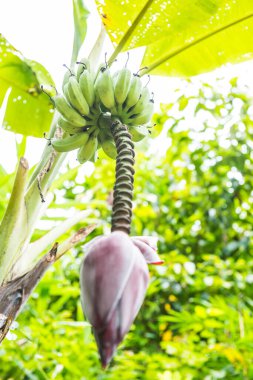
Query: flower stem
(123, 188)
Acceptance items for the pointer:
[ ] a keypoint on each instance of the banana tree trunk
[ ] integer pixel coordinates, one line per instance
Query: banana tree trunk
(15, 293)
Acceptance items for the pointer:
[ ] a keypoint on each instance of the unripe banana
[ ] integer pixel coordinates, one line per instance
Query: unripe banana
(104, 88)
(145, 116)
(70, 142)
(83, 65)
(134, 92)
(100, 70)
(141, 104)
(138, 133)
(107, 143)
(66, 93)
(77, 99)
(122, 85)
(86, 83)
(67, 111)
(88, 149)
(94, 157)
(66, 77)
(109, 148)
(68, 127)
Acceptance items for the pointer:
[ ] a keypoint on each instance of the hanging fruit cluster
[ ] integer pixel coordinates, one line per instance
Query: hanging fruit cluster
(89, 104)
(109, 110)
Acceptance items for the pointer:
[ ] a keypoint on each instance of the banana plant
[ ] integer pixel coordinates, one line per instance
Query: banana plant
(111, 109)
(21, 261)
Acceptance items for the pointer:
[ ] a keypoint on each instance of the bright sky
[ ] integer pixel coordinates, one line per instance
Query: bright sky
(43, 31)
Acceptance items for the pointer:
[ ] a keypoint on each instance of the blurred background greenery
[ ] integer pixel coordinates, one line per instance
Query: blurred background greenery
(193, 189)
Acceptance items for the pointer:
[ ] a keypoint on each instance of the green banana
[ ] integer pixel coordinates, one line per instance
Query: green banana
(68, 127)
(109, 148)
(101, 68)
(76, 97)
(122, 85)
(94, 157)
(145, 116)
(83, 65)
(134, 93)
(67, 111)
(104, 88)
(66, 93)
(86, 83)
(138, 133)
(141, 104)
(70, 71)
(66, 79)
(88, 149)
(107, 143)
(69, 143)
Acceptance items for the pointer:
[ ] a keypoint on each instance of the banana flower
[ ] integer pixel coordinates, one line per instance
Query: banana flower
(114, 279)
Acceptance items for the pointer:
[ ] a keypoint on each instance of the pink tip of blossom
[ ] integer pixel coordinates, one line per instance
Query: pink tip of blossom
(148, 247)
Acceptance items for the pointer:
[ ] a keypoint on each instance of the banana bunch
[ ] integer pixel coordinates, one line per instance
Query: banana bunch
(123, 95)
(88, 95)
(79, 113)
(77, 106)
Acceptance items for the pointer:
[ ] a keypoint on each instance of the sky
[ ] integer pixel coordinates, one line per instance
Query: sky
(43, 31)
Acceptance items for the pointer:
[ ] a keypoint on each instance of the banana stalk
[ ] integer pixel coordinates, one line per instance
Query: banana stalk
(123, 188)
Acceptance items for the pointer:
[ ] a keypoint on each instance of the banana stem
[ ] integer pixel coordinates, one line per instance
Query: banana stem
(123, 188)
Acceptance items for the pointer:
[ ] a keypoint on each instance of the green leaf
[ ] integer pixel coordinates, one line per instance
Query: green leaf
(203, 52)
(182, 38)
(29, 110)
(81, 14)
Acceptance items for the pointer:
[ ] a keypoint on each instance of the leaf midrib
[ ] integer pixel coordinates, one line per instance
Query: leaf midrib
(130, 31)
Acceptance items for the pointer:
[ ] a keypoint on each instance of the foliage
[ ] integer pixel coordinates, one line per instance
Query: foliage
(29, 110)
(176, 45)
(182, 38)
(194, 191)
(80, 13)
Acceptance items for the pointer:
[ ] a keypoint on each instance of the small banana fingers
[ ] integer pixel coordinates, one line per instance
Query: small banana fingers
(66, 144)
(88, 149)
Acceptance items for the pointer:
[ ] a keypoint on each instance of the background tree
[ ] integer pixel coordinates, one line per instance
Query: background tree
(196, 322)
(193, 159)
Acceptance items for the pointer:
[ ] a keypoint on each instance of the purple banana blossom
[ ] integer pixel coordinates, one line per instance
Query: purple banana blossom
(114, 279)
